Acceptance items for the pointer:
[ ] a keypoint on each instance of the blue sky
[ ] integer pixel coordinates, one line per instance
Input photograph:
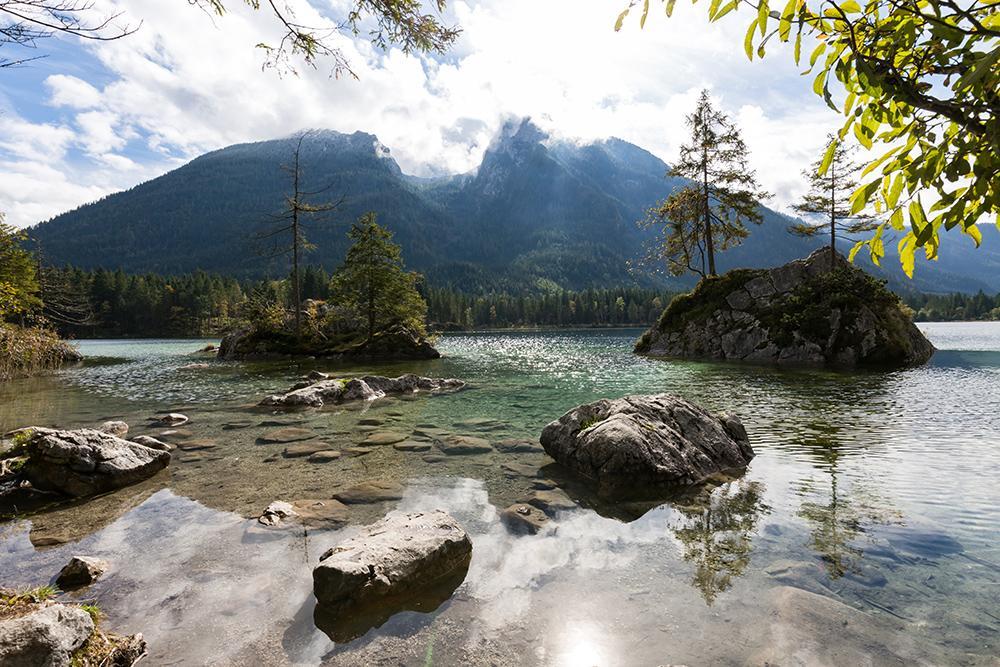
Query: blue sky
(93, 118)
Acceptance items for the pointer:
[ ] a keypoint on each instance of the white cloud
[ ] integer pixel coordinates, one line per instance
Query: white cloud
(185, 84)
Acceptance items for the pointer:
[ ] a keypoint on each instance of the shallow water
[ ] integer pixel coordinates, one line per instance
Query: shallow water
(878, 490)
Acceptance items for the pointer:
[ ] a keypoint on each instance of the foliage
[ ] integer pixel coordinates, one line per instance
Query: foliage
(18, 280)
(920, 78)
(374, 284)
(954, 307)
(400, 23)
(723, 195)
(28, 350)
(829, 195)
(31, 595)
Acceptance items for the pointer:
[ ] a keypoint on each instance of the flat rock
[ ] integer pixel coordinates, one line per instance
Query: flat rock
(118, 428)
(287, 434)
(176, 434)
(518, 469)
(370, 421)
(434, 458)
(325, 456)
(385, 438)
(46, 637)
(196, 445)
(357, 451)
(636, 444)
(523, 519)
(276, 513)
(321, 513)
(172, 419)
(550, 501)
(152, 443)
(480, 424)
(81, 571)
(306, 448)
(464, 444)
(399, 555)
(87, 462)
(515, 446)
(412, 446)
(237, 425)
(375, 491)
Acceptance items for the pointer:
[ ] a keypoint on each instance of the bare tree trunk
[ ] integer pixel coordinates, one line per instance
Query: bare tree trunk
(708, 213)
(295, 247)
(833, 215)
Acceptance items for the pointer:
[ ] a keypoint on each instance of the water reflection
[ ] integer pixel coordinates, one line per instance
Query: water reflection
(838, 514)
(717, 533)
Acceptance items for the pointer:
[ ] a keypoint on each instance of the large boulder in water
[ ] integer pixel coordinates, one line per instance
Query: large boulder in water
(641, 444)
(809, 311)
(86, 462)
(400, 555)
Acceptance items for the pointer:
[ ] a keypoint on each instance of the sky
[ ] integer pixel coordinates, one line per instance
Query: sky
(93, 118)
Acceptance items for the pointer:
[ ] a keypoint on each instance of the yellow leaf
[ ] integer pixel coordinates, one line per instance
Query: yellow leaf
(748, 40)
(621, 19)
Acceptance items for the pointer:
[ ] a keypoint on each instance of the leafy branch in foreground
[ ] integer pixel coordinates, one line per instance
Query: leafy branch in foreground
(922, 79)
(386, 23)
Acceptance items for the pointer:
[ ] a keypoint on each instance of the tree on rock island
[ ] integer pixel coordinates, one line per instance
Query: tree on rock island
(711, 213)
(374, 284)
(829, 195)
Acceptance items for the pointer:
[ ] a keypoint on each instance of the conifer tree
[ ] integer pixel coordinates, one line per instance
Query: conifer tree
(374, 283)
(711, 213)
(830, 195)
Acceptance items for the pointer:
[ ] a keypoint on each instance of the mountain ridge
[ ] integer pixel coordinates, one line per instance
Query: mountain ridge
(538, 212)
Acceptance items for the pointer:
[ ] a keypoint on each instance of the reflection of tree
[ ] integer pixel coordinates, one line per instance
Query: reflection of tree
(717, 532)
(838, 516)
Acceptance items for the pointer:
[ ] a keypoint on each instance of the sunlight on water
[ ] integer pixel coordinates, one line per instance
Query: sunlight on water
(875, 489)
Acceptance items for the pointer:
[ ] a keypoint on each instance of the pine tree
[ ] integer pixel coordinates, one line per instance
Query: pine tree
(18, 277)
(829, 195)
(374, 283)
(711, 213)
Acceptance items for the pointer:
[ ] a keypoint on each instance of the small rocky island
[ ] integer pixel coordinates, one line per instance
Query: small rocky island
(801, 313)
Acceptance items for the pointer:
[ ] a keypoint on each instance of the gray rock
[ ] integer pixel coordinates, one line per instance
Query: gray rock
(523, 519)
(638, 443)
(412, 446)
(385, 438)
(118, 428)
(758, 316)
(515, 446)
(324, 456)
(172, 419)
(518, 469)
(81, 571)
(357, 451)
(399, 555)
(463, 445)
(152, 443)
(87, 462)
(276, 512)
(287, 434)
(367, 388)
(550, 501)
(307, 448)
(46, 637)
(316, 376)
(375, 491)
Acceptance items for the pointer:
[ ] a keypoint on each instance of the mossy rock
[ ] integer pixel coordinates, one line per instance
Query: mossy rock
(809, 311)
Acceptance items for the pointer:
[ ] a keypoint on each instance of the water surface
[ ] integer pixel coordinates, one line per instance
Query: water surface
(877, 490)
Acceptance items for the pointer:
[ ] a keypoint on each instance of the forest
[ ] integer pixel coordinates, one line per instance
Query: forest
(117, 304)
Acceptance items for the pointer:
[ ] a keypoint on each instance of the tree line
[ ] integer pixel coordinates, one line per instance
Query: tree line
(954, 307)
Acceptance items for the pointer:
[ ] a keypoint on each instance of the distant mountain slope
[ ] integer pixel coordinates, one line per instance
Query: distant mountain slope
(537, 212)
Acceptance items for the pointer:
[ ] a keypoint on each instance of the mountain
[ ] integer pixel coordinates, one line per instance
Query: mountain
(538, 212)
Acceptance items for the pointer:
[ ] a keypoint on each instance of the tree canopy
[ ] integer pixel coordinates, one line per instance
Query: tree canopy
(373, 283)
(18, 280)
(401, 23)
(723, 195)
(920, 79)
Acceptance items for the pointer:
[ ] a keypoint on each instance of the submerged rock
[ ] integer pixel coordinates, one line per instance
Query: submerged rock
(172, 419)
(81, 571)
(399, 555)
(46, 637)
(152, 443)
(799, 313)
(367, 388)
(87, 462)
(636, 444)
(463, 444)
(375, 491)
(118, 428)
(523, 519)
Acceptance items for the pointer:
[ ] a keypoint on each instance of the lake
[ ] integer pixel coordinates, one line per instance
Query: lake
(877, 490)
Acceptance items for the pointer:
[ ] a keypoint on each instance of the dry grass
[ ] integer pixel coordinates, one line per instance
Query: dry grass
(28, 350)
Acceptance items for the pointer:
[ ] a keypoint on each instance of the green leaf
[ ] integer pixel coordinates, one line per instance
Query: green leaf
(645, 12)
(907, 254)
(798, 47)
(973, 231)
(728, 7)
(827, 157)
(748, 40)
(763, 13)
(850, 7)
(854, 251)
(621, 19)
